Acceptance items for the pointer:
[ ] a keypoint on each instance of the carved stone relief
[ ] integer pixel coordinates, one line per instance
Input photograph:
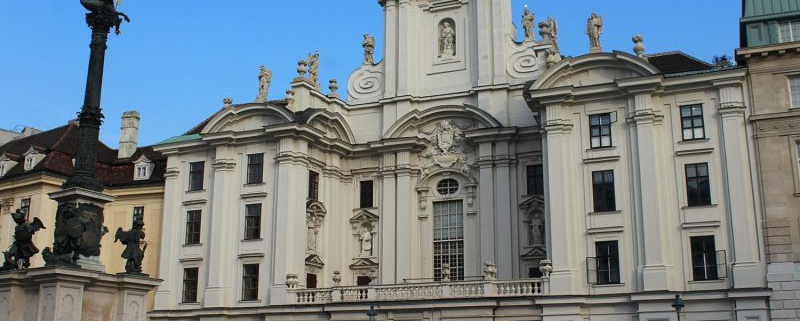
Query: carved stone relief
(366, 82)
(447, 149)
(364, 226)
(315, 214)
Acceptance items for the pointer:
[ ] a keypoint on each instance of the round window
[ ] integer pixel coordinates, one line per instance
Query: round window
(447, 186)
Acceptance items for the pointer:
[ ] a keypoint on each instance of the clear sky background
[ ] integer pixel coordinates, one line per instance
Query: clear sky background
(177, 60)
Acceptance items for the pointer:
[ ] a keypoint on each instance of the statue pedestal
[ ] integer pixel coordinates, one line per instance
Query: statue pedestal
(87, 223)
(55, 293)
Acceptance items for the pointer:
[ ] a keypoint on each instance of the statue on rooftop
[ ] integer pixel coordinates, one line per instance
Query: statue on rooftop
(132, 240)
(264, 80)
(21, 251)
(527, 23)
(369, 49)
(313, 69)
(594, 29)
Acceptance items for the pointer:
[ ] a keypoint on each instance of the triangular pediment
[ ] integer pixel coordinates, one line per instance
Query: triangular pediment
(142, 159)
(33, 150)
(314, 260)
(533, 203)
(535, 253)
(364, 216)
(363, 264)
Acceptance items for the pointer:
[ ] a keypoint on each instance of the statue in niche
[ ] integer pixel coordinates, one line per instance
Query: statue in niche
(264, 80)
(366, 242)
(313, 68)
(133, 254)
(311, 234)
(528, 20)
(369, 49)
(594, 29)
(21, 251)
(536, 231)
(447, 40)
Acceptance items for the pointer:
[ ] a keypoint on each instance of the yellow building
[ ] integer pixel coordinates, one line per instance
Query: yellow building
(32, 167)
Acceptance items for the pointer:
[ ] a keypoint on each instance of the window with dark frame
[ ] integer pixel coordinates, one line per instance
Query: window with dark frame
(249, 282)
(252, 221)
(313, 185)
(692, 124)
(193, 227)
(794, 90)
(196, 170)
(698, 189)
(190, 277)
(600, 130)
(704, 258)
(607, 262)
(138, 213)
(603, 191)
(447, 186)
(363, 280)
(311, 281)
(535, 179)
(366, 193)
(25, 207)
(255, 168)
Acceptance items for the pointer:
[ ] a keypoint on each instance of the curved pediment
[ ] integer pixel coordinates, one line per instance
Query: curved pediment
(247, 117)
(594, 69)
(465, 117)
(333, 125)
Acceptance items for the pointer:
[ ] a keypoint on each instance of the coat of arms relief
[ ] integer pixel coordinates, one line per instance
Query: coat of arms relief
(447, 147)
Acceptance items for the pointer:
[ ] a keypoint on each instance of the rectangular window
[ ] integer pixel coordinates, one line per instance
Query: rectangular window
(698, 189)
(704, 258)
(138, 213)
(606, 264)
(196, 170)
(249, 282)
(311, 281)
(600, 130)
(313, 185)
(365, 200)
(252, 221)
(193, 227)
(789, 31)
(692, 124)
(25, 207)
(535, 179)
(603, 191)
(448, 239)
(255, 168)
(363, 280)
(190, 276)
(794, 91)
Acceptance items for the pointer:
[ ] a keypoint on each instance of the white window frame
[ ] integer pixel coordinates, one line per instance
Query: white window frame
(141, 171)
(794, 102)
(29, 162)
(789, 25)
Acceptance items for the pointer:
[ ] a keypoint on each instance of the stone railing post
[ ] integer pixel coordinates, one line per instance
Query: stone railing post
(545, 285)
(372, 295)
(336, 295)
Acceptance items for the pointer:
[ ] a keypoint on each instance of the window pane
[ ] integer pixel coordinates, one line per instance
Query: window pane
(606, 141)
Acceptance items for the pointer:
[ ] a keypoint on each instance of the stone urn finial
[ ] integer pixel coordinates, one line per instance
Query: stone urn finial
(292, 280)
(333, 86)
(290, 98)
(545, 266)
(638, 45)
(227, 102)
(337, 278)
(301, 68)
(445, 272)
(489, 271)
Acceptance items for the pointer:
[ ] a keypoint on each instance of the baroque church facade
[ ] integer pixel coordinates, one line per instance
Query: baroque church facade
(471, 175)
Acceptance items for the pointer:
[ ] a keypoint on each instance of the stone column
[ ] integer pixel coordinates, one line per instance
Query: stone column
(486, 212)
(389, 220)
(405, 216)
(655, 276)
(564, 277)
(747, 267)
(168, 269)
(290, 216)
(222, 233)
(391, 44)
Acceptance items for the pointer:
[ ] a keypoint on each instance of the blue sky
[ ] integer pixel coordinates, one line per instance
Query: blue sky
(177, 60)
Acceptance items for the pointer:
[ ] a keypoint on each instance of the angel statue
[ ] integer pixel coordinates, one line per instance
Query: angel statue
(594, 29)
(21, 251)
(132, 239)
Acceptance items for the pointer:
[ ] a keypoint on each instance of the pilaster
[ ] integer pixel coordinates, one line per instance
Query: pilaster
(486, 197)
(405, 216)
(389, 220)
(504, 241)
(222, 237)
(168, 291)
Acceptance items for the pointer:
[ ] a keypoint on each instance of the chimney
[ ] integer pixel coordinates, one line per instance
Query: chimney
(129, 134)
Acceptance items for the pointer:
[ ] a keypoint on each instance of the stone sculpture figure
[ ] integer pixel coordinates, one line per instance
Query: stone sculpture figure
(594, 29)
(105, 7)
(313, 69)
(366, 243)
(447, 40)
(369, 49)
(489, 271)
(132, 240)
(528, 20)
(264, 80)
(553, 26)
(21, 251)
(537, 231)
(311, 236)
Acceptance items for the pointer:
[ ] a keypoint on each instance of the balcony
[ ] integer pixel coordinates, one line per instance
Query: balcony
(422, 291)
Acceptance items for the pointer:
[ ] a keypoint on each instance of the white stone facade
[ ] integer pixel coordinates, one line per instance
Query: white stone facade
(445, 127)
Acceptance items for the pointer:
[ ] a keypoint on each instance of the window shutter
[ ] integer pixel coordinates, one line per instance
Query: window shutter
(591, 270)
(722, 265)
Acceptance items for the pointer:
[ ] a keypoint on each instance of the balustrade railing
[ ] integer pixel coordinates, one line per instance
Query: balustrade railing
(421, 291)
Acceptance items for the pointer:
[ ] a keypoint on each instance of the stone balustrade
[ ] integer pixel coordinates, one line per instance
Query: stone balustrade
(421, 291)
